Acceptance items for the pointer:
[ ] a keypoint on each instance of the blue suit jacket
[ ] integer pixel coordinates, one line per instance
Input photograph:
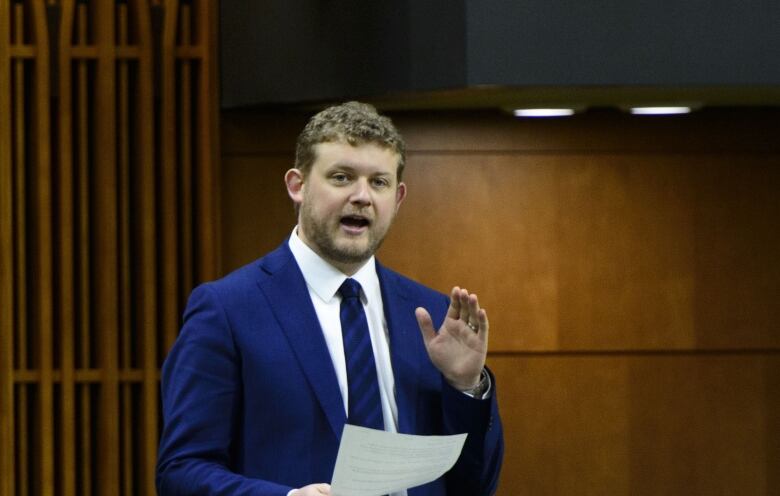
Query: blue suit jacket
(251, 402)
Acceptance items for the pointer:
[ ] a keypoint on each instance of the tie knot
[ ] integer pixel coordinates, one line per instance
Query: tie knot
(350, 289)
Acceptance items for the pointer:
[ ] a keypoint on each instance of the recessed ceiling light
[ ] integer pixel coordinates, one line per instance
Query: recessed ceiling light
(543, 112)
(660, 110)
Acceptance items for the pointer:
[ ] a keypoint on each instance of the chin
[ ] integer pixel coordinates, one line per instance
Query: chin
(354, 252)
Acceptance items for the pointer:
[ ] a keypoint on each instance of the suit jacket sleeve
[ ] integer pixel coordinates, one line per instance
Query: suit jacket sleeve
(440, 408)
(476, 471)
(201, 397)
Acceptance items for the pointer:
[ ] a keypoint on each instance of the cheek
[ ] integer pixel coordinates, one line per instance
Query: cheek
(327, 206)
(387, 210)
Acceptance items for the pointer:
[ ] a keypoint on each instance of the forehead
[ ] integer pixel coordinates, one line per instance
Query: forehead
(363, 157)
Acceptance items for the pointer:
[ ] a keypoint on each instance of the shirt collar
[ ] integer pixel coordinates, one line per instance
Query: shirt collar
(325, 279)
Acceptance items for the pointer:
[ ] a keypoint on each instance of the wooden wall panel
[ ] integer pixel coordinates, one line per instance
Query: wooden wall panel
(566, 424)
(771, 436)
(627, 256)
(710, 131)
(7, 296)
(738, 274)
(608, 251)
(258, 218)
(700, 422)
(629, 267)
(501, 210)
(84, 167)
(638, 424)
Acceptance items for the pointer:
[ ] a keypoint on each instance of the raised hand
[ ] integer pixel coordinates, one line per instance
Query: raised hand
(459, 349)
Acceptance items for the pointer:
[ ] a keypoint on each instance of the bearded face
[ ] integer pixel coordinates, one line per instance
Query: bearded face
(348, 201)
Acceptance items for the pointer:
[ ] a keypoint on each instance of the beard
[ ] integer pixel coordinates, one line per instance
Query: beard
(323, 236)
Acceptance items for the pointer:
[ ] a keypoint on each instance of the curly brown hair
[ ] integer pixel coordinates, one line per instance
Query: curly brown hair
(351, 122)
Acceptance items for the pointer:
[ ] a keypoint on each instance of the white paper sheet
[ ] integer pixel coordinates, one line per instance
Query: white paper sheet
(373, 463)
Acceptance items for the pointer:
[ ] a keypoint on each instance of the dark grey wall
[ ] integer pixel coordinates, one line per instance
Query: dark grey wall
(623, 42)
(277, 51)
(292, 51)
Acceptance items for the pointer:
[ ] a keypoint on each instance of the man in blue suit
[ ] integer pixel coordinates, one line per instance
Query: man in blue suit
(262, 378)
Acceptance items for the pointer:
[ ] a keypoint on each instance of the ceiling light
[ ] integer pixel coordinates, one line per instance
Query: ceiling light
(543, 112)
(660, 110)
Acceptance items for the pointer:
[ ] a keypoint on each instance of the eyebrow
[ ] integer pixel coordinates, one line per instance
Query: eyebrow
(350, 166)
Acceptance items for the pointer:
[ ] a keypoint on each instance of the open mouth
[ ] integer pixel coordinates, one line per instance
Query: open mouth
(354, 222)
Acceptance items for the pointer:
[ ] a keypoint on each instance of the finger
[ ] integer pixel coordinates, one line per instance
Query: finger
(454, 311)
(484, 324)
(323, 488)
(474, 312)
(426, 324)
(463, 297)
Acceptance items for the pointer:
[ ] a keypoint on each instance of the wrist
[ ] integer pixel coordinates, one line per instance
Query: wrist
(464, 385)
(481, 386)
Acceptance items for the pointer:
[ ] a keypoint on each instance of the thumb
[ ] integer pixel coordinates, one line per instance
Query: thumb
(426, 324)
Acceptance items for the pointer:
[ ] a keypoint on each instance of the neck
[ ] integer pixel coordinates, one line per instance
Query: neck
(348, 270)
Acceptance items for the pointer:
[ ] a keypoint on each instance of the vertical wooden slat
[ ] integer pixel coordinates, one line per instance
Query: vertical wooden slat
(44, 249)
(20, 158)
(7, 303)
(168, 217)
(208, 183)
(67, 304)
(23, 442)
(84, 255)
(125, 244)
(105, 260)
(20, 235)
(147, 272)
(185, 146)
(123, 191)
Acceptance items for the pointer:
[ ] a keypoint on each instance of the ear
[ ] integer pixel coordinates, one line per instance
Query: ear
(293, 178)
(400, 194)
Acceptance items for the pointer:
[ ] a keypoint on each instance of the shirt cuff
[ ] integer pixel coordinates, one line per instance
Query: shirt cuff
(483, 390)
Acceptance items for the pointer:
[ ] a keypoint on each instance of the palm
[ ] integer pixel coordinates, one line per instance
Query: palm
(457, 349)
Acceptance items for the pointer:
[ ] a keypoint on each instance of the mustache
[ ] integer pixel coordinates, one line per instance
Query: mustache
(357, 214)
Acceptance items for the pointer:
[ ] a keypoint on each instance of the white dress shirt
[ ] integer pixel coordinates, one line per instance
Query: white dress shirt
(323, 281)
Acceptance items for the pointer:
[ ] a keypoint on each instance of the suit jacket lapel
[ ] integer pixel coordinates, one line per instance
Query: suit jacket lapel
(290, 301)
(404, 351)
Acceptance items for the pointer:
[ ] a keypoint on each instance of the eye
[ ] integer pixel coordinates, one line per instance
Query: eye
(339, 178)
(380, 182)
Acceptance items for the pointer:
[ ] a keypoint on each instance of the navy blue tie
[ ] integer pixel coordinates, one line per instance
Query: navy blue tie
(365, 406)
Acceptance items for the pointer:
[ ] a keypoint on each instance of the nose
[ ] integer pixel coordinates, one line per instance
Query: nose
(361, 194)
